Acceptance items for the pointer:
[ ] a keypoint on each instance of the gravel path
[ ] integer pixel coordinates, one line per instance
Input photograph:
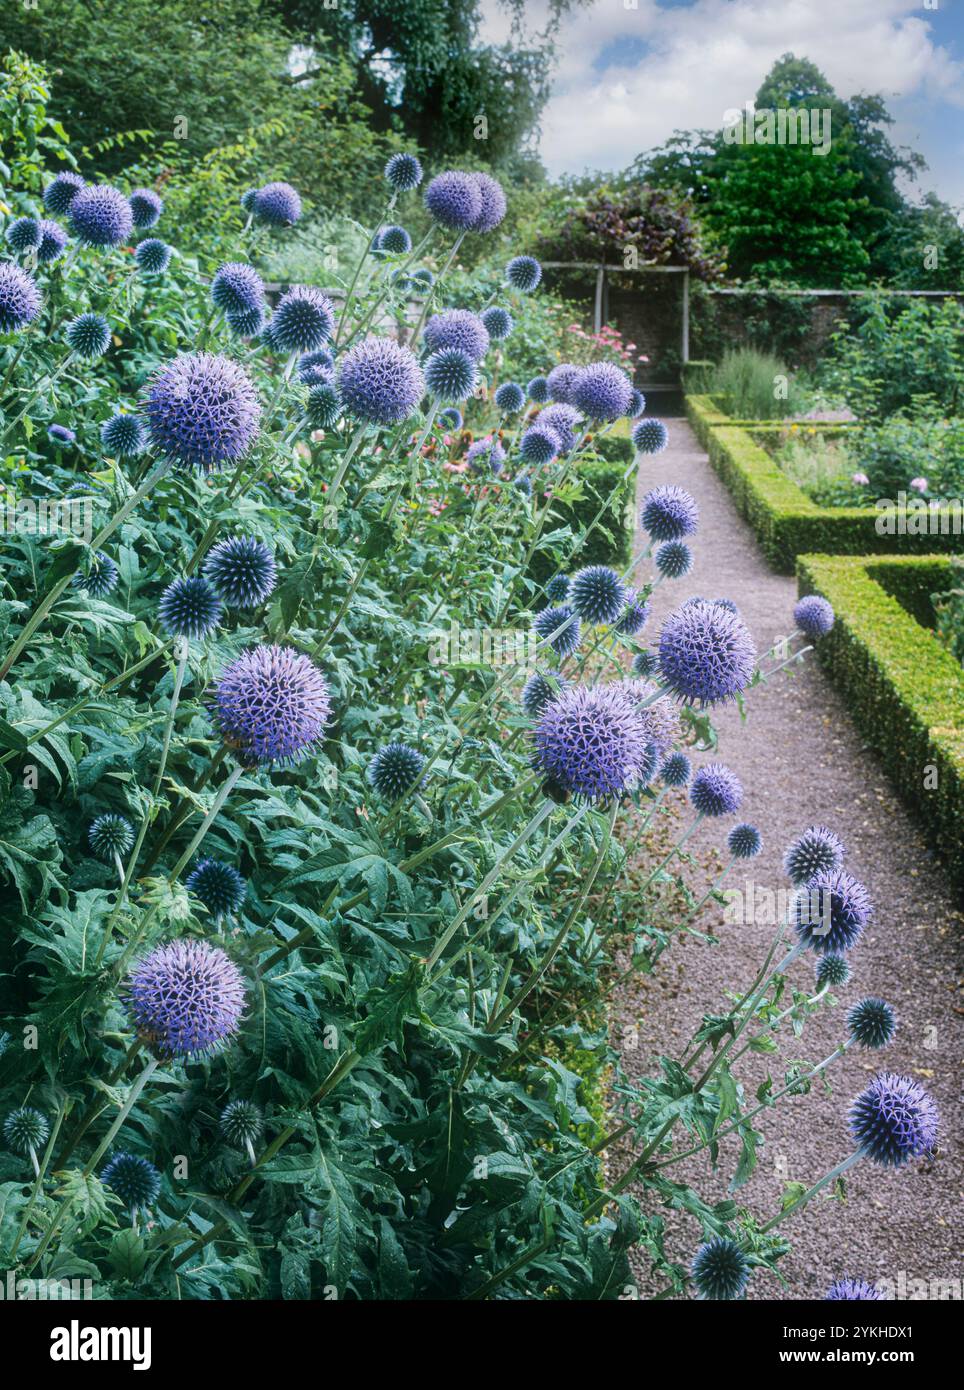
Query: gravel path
(802, 761)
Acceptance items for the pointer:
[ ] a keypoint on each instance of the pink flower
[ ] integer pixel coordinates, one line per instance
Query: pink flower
(919, 484)
(861, 479)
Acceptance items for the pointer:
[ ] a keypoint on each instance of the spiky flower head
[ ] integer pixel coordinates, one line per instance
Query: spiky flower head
(590, 742)
(716, 791)
(675, 772)
(202, 411)
(219, 886)
(602, 392)
(423, 278)
(304, 319)
(25, 1129)
(271, 704)
(241, 1123)
(523, 483)
(457, 328)
(61, 191)
(237, 285)
(53, 242)
(492, 207)
(19, 298)
(523, 273)
(706, 654)
(152, 255)
(831, 911)
(510, 397)
(744, 841)
(894, 1120)
(277, 204)
(669, 513)
(598, 594)
(814, 616)
(634, 615)
(110, 835)
(832, 971)
(122, 436)
(871, 1023)
(538, 390)
(395, 770)
(380, 381)
(854, 1290)
(557, 590)
(247, 199)
(539, 445)
(311, 363)
(23, 234)
(185, 998)
(61, 435)
(545, 623)
(189, 608)
(451, 418)
(498, 322)
(659, 716)
(817, 851)
(455, 200)
(486, 453)
(561, 381)
(89, 335)
(101, 579)
(403, 172)
(100, 216)
(540, 690)
(245, 323)
(673, 559)
(135, 1180)
(394, 241)
(324, 406)
(650, 437)
(637, 405)
(645, 664)
(450, 375)
(241, 571)
(562, 419)
(720, 1269)
(146, 207)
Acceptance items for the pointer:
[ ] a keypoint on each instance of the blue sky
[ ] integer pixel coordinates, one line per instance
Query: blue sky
(632, 71)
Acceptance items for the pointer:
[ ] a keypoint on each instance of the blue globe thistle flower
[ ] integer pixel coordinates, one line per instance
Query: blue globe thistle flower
(817, 851)
(674, 559)
(304, 319)
(871, 1023)
(538, 390)
(109, 836)
(706, 654)
(395, 770)
(322, 359)
(658, 716)
(189, 608)
(728, 604)
(814, 616)
(854, 1290)
(540, 690)
(486, 453)
(650, 437)
(100, 216)
(492, 204)
(241, 1123)
(403, 172)
(720, 1269)
(894, 1120)
(61, 435)
(23, 234)
(561, 382)
(237, 286)
(101, 579)
(598, 594)
(562, 420)
(202, 411)
(832, 971)
(675, 771)
(549, 619)
(457, 328)
(19, 298)
(455, 200)
(394, 241)
(245, 323)
(146, 208)
(185, 998)
(498, 322)
(53, 242)
(324, 406)
(220, 887)
(716, 791)
(271, 704)
(135, 1180)
(451, 418)
(523, 483)
(590, 743)
(830, 913)
(539, 445)
(744, 841)
(645, 664)
(602, 392)
(122, 436)
(247, 199)
(60, 192)
(152, 255)
(637, 405)
(523, 273)
(510, 397)
(669, 513)
(25, 1130)
(380, 381)
(634, 615)
(241, 571)
(557, 590)
(277, 204)
(423, 277)
(450, 375)
(89, 335)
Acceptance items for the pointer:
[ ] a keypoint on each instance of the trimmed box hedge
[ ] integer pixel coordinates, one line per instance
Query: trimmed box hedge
(904, 690)
(786, 522)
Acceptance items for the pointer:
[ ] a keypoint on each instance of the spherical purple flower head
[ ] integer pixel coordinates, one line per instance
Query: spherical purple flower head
(457, 328)
(523, 273)
(202, 411)
(189, 608)
(450, 375)
(241, 1122)
(538, 390)
(669, 513)
(716, 791)
(451, 418)
(562, 420)
(832, 972)
(510, 397)
(277, 204)
(814, 616)
(598, 594)
(894, 1120)
(871, 1023)
(304, 319)
(60, 192)
(831, 911)
(247, 199)
(245, 323)
(602, 392)
(237, 286)
(152, 255)
(25, 1130)
(60, 434)
(539, 445)
(545, 623)
(53, 242)
(650, 437)
(727, 603)
(540, 690)
(89, 335)
(706, 654)
(324, 405)
(499, 323)
(135, 1180)
(486, 453)
(220, 887)
(817, 851)
(394, 241)
(395, 770)
(122, 436)
(660, 717)
(744, 841)
(310, 363)
(854, 1290)
(492, 203)
(271, 705)
(675, 772)
(557, 590)
(110, 835)
(23, 234)
(720, 1269)
(645, 664)
(455, 200)
(590, 742)
(146, 207)
(634, 615)
(561, 382)
(673, 559)
(19, 298)
(637, 405)
(100, 216)
(241, 571)
(314, 376)
(101, 579)
(523, 483)
(403, 172)
(185, 999)
(380, 381)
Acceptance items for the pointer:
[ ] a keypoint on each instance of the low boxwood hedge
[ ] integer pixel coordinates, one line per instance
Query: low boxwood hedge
(904, 690)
